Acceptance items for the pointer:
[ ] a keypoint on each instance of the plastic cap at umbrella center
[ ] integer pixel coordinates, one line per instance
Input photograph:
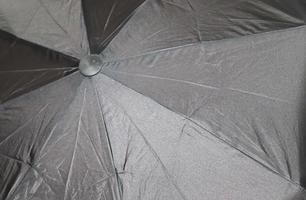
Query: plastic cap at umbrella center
(90, 65)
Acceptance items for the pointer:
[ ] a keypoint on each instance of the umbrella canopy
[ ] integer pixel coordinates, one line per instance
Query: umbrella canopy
(152, 100)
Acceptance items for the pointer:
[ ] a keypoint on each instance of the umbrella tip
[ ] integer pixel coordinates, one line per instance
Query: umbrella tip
(90, 65)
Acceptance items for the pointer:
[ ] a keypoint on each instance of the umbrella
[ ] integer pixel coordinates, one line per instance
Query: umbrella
(155, 99)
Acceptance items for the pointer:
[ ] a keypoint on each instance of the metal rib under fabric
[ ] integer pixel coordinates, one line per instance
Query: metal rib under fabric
(196, 99)
(162, 155)
(25, 66)
(57, 148)
(54, 146)
(58, 25)
(104, 19)
(163, 24)
(248, 92)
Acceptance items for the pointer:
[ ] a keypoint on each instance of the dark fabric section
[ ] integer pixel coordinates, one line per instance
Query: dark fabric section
(25, 66)
(104, 18)
(163, 24)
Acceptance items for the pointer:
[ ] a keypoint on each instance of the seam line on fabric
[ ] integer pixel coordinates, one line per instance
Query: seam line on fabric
(221, 140)
(205, 42)
(108, 140)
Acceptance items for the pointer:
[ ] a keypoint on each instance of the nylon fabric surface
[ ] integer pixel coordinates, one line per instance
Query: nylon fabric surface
(104, 20)
(58, 25)
(61, 149)
(25, 66)
(196, 99)
(164, 24)
(247, 90)
(53, 145)
(162, 155)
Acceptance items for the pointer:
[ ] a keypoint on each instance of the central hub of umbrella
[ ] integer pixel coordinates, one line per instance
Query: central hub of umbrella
(90, 65)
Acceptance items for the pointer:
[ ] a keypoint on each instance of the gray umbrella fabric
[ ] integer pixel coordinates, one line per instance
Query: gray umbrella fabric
(195, 100)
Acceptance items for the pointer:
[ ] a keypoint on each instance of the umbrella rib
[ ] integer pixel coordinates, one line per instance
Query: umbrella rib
(25, 42)
(96, 152)
(38, 70)
(223, 141)
(241, 151)
(75, 144)
(103, 42)
(30, 168)
(109, 15)
(108, 140)
(167, 173)
(31, 20)
(109, 37)
(42, 178)
(260, 95)
(11, 193)
(57, 23)
(50, 134)
(164, 78)
(203, 42)
(202, 85)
